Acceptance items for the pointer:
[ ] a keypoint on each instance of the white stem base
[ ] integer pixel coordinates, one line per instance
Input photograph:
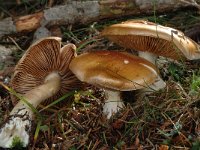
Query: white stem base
(113, 103)
(19, 123)
(16, 127)
(148, 56)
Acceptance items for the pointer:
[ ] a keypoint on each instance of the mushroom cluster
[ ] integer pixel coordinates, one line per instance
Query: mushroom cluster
(47, 71)
(42, 74)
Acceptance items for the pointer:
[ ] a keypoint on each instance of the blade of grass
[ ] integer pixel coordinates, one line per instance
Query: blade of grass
(104, 138)
(58, 100)
(21, 98)
(37, 130)
(60, 118)
(84, 44)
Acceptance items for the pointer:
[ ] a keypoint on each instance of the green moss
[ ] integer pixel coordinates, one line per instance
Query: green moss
(17, 144)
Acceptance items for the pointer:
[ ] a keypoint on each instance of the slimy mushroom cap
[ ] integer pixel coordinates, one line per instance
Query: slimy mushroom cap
(114, 70)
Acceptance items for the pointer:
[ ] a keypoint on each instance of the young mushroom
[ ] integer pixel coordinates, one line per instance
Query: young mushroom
(42, 74)
(152, 40)
(114, 72)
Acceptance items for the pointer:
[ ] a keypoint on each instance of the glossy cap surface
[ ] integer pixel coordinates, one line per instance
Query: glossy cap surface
(114, 70)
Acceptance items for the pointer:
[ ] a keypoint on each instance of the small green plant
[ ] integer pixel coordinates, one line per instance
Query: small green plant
(196, 145)
(176, 71)
(195, 84)
(17, 144)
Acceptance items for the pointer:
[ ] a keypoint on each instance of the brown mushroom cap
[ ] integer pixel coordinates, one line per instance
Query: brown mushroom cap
(114, 70)
(42, 58)
(147, 36)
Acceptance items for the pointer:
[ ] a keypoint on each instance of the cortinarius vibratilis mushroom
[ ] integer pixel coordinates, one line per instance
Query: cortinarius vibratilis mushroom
(115, 72)
(152, 40)
(149, 37)
(42, 73)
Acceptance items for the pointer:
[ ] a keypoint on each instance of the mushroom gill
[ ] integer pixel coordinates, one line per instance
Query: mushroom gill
(148, 44)
(40, 60)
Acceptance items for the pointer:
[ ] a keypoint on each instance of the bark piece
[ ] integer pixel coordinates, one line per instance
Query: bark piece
(29, 22)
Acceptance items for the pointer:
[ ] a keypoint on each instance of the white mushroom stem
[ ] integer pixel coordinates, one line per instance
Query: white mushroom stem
(50, 87)
(148, 56)
(19, 123)
(159, 83)
(113, 102)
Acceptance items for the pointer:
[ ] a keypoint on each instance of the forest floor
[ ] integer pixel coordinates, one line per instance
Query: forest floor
(162, 120)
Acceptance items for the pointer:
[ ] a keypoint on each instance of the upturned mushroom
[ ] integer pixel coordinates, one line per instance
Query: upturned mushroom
(114, 72)
(152, 40)
(42, 74)
(149, 37)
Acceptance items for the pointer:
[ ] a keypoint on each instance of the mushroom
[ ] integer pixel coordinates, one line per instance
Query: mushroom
(152, 40)
(42, 74)
(149, 37)
(114, 72)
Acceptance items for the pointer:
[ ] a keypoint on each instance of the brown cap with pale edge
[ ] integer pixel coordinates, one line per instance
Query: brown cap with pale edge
(142, 35)
(43, 57)
(114, 70)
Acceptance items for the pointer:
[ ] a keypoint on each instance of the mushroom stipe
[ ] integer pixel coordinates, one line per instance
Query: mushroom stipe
(41, 74)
